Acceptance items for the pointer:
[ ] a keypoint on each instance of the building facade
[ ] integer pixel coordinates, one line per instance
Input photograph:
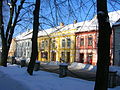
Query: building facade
(23, 45)
(116, 43)
(75, 42)
(86, 47)
(12, 48)
(59, 45)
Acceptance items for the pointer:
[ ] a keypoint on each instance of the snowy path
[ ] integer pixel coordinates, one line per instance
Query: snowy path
(7, 83)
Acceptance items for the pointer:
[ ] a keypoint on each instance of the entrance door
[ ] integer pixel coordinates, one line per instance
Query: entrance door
(53, 56)
(68, 57)
(81, 58)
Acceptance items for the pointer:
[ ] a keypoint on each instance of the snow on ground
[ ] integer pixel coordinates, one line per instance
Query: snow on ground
(88, 67)
(83, 66)
(41, 80)
(93, 68)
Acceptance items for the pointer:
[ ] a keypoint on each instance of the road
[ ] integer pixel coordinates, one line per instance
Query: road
(82, 74)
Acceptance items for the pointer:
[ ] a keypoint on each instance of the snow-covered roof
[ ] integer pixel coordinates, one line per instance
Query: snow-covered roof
(117, 23)
(46, 31)
(93, 24)
(25, 35)
(80, 26)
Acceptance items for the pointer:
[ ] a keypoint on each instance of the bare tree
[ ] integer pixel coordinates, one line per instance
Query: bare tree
(7, 33)
(34, 53)
(103, 44)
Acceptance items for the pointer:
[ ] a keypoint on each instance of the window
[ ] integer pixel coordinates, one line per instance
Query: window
(42, 45)
(63, 42)
(28, 43)
(46, 43)
(82, 41)
(68, 42)
(44, 55)
(63, 56)
(53, 44)
(90, 39)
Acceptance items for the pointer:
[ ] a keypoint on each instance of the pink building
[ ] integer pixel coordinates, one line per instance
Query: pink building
(86, 47)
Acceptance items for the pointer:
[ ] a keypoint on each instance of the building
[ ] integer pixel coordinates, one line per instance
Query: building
(0, 53)
(116, 44)
(12, 49)
(58, 45)
(86, 47)
(75, 42)
(24, 44)
(44, 44)
(63, 44)
(87, 39)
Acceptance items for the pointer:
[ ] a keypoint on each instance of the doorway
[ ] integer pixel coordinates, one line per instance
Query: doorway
(81, 58)
(68, 57)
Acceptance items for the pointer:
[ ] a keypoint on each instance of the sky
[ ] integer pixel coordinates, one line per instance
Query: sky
(14, 76)
(66, 11)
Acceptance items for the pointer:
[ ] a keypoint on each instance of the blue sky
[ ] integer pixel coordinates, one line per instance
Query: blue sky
(66, 12)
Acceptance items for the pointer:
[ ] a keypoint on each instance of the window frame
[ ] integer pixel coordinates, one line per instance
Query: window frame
(90, 40)
(68, 42)
(63, 43)
(81, 41)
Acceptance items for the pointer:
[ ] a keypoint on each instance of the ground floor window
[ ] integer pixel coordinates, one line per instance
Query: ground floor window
(44, 55)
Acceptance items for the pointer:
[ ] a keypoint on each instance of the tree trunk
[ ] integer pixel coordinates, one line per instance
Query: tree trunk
(34, 52)
(105, 30)
(4, 44)
(6, 34)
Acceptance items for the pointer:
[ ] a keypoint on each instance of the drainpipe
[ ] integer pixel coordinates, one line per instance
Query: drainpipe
(49, 48)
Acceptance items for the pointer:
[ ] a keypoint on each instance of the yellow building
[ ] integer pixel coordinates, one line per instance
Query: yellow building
(58, 44)
(44, 45)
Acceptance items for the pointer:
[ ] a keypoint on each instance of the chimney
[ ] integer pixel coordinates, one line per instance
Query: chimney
(75, 21)
(61, 24)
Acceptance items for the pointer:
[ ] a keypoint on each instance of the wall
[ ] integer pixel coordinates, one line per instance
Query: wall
(116, 45)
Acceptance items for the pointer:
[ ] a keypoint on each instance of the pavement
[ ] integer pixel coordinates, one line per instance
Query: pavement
(76, 73)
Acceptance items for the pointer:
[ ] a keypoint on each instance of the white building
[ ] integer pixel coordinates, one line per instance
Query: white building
(116, 43)
(24, 44)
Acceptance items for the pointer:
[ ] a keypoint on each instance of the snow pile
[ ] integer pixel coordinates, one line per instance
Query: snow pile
(93, 68)
(83, 66)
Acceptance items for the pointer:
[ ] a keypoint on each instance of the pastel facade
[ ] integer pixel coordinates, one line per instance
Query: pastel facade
(63, 45)
(24, 44)
(86, 47)
(59, 45)
(12, 48)
(116, 44)
(75, 42)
